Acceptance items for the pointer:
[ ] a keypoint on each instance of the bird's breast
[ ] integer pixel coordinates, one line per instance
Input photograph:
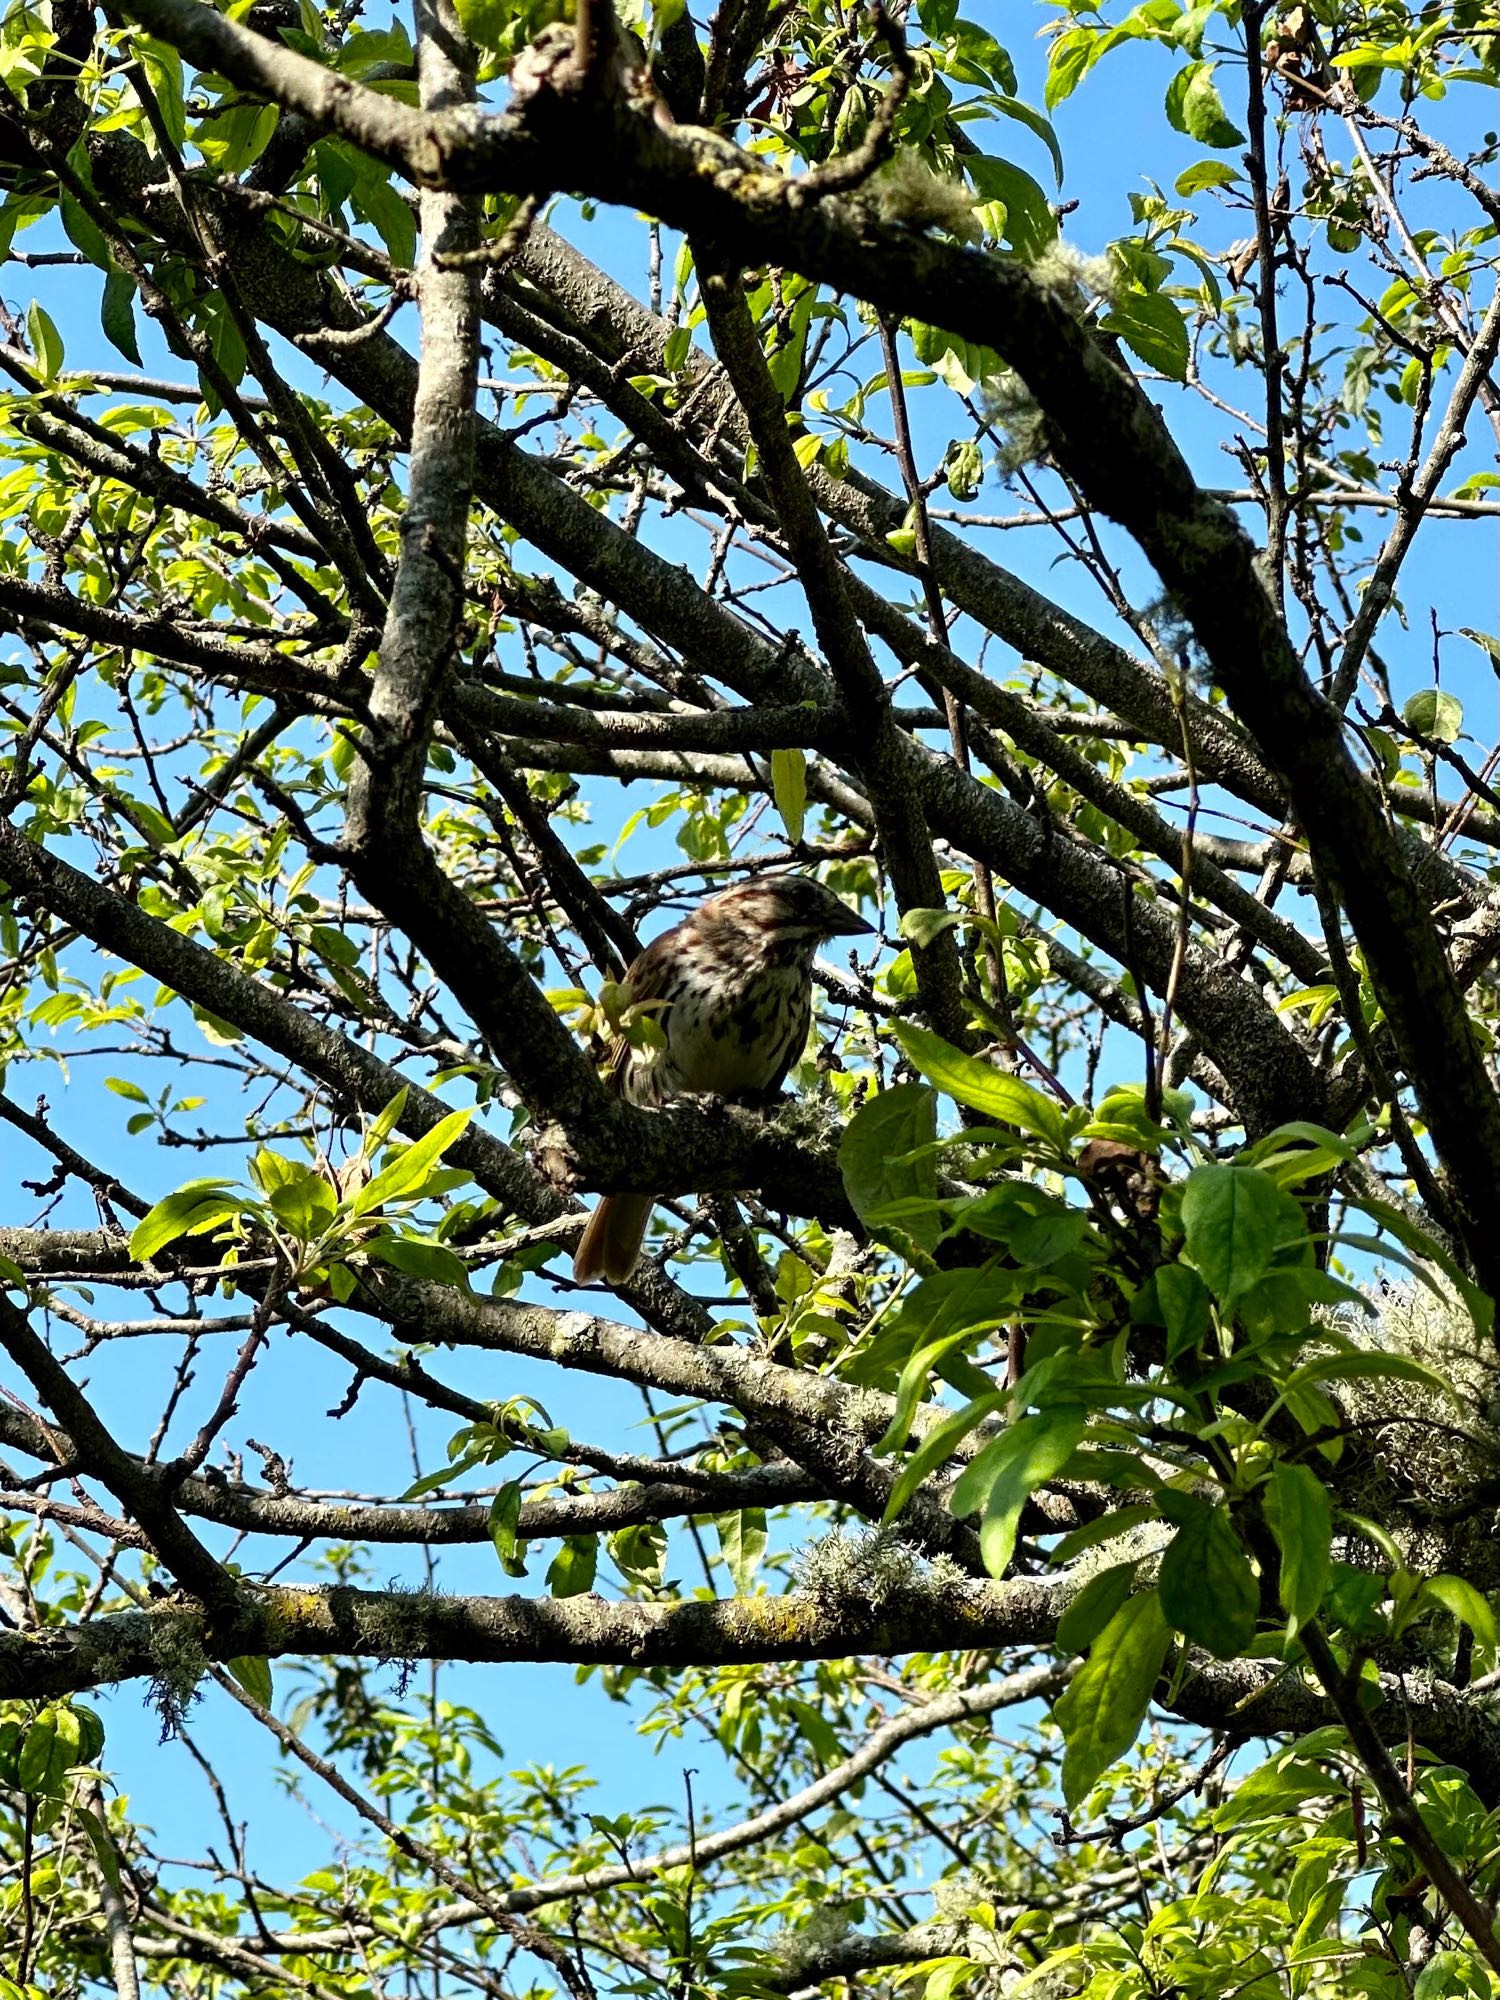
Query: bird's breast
(737, 1037)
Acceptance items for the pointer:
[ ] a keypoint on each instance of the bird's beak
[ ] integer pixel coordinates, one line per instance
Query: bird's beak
(850, 924)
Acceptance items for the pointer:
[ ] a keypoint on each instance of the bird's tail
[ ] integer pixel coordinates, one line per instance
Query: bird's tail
(610, 1247)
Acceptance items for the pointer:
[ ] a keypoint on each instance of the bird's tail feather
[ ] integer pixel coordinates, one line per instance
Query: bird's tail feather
(610, 1247)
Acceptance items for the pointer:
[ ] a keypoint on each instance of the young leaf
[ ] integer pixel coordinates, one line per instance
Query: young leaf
(173, 1216)
(897, 1122)
(1005, 1473)
(1101, 1711)
(409, 1169)
(1093, 1607)
(504, 1517)
(1208, 1589)
(254, 1675)
(572, 1569)
(789, 788)
(1301, 1517)
(305, 1205)
(1235, 1223)
(385, 1124)
(974, 1083)
(742, 1542)
(1183, 1298)
(46, 341)
(1434, 713)
(1458, 1595)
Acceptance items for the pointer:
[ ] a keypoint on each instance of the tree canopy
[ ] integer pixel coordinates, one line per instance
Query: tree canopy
(473, 487)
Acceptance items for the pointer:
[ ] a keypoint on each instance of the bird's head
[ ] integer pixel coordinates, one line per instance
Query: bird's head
(788, 910)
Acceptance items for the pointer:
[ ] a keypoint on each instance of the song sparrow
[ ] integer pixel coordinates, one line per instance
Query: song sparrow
(731, 991)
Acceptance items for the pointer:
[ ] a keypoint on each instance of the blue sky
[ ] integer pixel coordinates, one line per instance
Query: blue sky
(1113, 135)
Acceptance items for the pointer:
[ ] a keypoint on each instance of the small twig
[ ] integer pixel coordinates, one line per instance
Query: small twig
(1178, 684)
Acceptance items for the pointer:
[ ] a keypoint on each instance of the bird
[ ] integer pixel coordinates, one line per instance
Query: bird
(730, 990)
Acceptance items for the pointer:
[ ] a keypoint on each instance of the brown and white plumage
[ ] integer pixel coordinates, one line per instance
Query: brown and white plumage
(730, 988)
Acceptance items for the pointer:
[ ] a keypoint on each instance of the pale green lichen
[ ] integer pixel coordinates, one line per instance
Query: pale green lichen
(1016, 419)
(178, 1666)
(791, 1952)
(956, 1897)
(906, 190)
(1416, 1458)
(872, 1568)
(1070, 274)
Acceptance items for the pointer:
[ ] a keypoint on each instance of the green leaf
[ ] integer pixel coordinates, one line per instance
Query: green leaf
(639, 1552)
(1183, 1298)
(1005, 1473)
(1206, 174)
(742, 1542)
(304, 1204)
(270, 1171)
(572, 1569)
(816, 1732)
(104, 1854)
(789, 789)
(911, 1387)
(504, 1518)
(937, 17)
(1025, 114)
(1070, 57)
(1453, 1975)
(375, 201)
(1093, 1607)
(1235, 1223)
(82, 231)
(1458, 1595)
(1425, 1246)
(1208, 1589)
(421, 1257)
(1356, 1365)
(1107, 1528)
(921, 926)
(873, 1157)
(46, 342)
(163, 66)
(1101, 1711)
(49, 1748)
(1029, 225)
(123, 1088)
(1486, 641)
(975, 1084)
(409, 1169)
(939, 1446)
(1275, 1789)
(173, 1216)
(1434, 713)
(1153, 329)
(254, 1676)
(1301, 1518)
(117, 315)
(1194, 106)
